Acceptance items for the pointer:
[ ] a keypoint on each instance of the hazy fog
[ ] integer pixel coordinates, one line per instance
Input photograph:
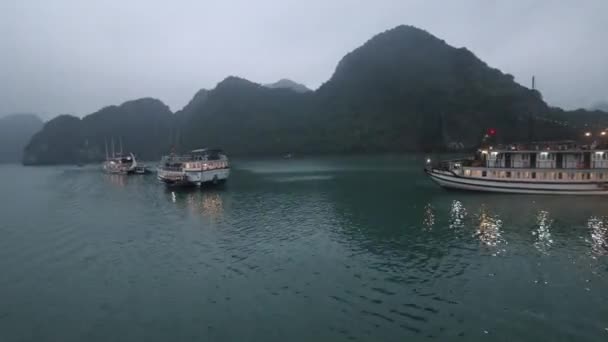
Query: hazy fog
(74, 56)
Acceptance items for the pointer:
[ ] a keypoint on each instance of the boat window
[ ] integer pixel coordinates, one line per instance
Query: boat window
(588, 175)
(533, 175)
(467, 173)
(559, 175)
(484, 173)
(508, 174)
(600, 175)
(571, 175)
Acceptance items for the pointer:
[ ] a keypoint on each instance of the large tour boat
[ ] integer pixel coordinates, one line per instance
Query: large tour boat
(559, 167)
(195, 168)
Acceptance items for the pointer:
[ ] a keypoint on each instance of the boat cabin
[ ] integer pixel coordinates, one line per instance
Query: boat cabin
(200, 159)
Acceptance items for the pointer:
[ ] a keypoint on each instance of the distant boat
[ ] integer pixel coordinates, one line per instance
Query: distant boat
(141, 170)
(124, 164)
(121, 164)
(194, 169)
(288, 156)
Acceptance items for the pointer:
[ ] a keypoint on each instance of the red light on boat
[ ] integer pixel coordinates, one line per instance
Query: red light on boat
(491, 131)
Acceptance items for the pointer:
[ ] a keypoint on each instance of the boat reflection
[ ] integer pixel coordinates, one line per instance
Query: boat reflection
(116, 179)
(429, 217)
(205, 203)
(489, 231)
(599, 232)
(543, 232)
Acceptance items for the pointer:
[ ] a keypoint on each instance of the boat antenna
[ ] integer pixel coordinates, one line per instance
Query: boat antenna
(176, 139)
(531, 121)
(113, 154)
(105, 142)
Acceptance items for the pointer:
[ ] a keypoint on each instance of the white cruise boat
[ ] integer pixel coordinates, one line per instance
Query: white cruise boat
(196, 168)
(560, 168)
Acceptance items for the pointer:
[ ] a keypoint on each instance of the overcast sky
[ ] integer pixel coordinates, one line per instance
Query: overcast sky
(76, 56)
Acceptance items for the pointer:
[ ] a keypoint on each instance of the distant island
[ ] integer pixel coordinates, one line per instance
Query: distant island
(15, 132)
(602, 105)
(403, 90)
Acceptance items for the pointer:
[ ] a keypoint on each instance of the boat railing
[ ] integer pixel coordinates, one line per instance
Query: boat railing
(187, 159)
(170, 168)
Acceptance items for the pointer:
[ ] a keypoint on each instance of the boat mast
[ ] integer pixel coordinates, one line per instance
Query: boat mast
(121, 146)
(113, 154)
(105, 142)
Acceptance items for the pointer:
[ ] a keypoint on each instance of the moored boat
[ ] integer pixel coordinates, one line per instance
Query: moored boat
(195, 168)
(557, 168)
(141, 170)
(121, 164)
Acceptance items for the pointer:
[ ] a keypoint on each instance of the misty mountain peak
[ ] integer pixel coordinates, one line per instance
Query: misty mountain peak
(234, 81)
(22, 117)
(285, 83)
(145, 102)
(198, 98)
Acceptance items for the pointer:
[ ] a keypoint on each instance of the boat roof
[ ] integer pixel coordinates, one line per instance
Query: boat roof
(563, 146)
(207, 150)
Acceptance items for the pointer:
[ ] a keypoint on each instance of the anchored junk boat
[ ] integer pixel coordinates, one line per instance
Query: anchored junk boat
(121, 164)
(195, 168)
(558, 167)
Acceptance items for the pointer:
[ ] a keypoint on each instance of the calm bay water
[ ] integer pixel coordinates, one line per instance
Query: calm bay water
(326, 249)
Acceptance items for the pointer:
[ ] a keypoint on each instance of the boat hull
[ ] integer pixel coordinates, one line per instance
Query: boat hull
(449, 180)
(193, 178)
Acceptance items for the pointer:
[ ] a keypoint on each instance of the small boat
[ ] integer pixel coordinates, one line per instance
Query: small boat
(195, 168)
(121, 164)
(556, 168)
(141, 170)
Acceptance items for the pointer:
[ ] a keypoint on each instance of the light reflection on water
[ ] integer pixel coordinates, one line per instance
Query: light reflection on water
(543, 232)
(599, 236)
(489, 231)
(206, 203)
(458, 214)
